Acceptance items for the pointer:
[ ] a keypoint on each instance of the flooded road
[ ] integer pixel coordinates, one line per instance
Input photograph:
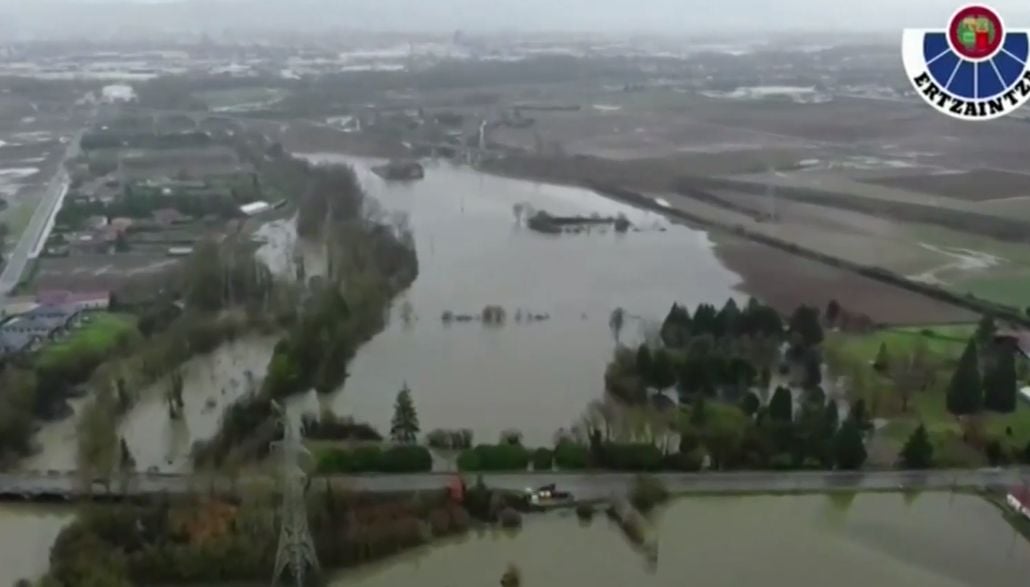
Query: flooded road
(534, 376)
(26, 535)
(887, 540)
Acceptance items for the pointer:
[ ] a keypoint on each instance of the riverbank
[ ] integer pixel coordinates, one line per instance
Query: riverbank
(473, 253)
(46, 522)
(780, 276)
(776, 270)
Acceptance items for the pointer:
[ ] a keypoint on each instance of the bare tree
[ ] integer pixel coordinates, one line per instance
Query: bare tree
(615, 322)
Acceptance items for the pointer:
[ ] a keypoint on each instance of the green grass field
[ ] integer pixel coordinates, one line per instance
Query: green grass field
(945, 343)
(944, 340)
(1007, 282)
(97, 338)
(17, 218)
(1011, 290)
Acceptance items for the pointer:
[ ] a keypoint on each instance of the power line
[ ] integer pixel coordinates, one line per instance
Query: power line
(296, 548)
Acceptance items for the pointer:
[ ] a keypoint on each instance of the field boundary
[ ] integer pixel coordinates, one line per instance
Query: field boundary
(880, 274)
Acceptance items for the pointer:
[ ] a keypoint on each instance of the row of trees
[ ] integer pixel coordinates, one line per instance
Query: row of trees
(984, 379)
(209, 541)
(73, 215)
(782, 433)
(144, 139)
(756, 319)
(38, 386)
(373, 459)
(369, 261)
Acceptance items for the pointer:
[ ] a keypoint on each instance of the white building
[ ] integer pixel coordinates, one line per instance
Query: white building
(117, 93)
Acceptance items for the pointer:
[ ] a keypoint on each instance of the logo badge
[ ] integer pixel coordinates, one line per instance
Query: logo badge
(976, 69)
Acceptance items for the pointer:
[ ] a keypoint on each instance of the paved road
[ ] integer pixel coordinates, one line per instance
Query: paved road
(582, 485)
(39, 225)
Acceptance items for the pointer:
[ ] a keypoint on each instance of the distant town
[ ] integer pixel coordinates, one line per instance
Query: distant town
(280, 306)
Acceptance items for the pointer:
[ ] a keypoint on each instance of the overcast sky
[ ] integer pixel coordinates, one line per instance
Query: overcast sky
(668, 16)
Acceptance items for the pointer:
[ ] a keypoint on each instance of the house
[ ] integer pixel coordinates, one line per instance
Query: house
(169, 216)
(120, 224)
(1019, 500)
(1019, 338)
(18, 305)
(42, 322)
(14, 343)
(95, 222)
(83, 300)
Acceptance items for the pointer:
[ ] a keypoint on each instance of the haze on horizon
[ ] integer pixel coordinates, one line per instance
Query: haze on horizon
(90, 18)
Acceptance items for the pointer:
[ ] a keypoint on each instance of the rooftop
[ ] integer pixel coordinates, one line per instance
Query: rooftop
(14, 342)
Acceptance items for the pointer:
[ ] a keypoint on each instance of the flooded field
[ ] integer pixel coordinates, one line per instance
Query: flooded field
(210, 383)
(26, 535)
(538, 375)
(472, 253)
(930, 540)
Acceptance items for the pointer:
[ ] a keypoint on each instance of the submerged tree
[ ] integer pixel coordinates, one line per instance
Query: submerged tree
(615, 323)
(644, 364)
(781, 406)
(174, 396)
(404, 428)
(675, 331)
(126, 462)
(805, 323)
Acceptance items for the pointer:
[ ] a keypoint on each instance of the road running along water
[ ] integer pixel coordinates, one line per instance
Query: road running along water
(591, 485)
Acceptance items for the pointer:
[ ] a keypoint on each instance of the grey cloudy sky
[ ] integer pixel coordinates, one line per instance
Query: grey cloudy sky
(671, 16)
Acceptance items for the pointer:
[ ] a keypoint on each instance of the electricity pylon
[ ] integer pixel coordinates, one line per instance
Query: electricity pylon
(296, 548)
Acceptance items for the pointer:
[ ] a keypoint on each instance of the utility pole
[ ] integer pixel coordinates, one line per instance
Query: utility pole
(296, 548)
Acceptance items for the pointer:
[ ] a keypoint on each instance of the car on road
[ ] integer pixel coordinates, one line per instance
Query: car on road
(547, 495)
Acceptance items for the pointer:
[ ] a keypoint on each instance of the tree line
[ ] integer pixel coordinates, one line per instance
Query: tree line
(204, 540)
(370, 260)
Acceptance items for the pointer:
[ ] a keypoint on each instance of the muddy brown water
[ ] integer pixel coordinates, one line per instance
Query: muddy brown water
(26, 535)
(536, 377)
(887, 540)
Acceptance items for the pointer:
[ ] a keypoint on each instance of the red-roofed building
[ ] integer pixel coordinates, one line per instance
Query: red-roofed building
(1019, 500)
(169, 216)
(85, 300)
(1019, 338)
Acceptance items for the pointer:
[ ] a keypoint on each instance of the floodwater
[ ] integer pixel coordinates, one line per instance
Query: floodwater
(887, 540)
(536, 377)
(210, 383)
(26, 535)
(539, 376)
